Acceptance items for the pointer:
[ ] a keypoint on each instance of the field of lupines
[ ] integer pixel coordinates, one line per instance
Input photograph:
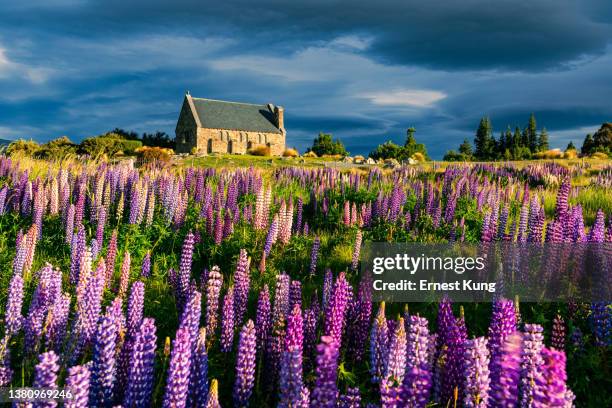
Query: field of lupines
(185, 287)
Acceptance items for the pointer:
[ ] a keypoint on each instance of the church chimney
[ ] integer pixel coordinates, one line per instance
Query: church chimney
(279, 113)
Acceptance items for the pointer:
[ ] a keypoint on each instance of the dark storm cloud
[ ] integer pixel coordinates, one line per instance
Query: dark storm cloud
(362, 70)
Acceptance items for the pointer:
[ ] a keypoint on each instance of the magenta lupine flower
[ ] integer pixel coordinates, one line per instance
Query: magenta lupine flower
(390, 384)
(298, 216)
(503, 324)
(361, 312)
(335, 315)
(417, 380)
(142, 362)
(241, 286)
(531, 359)
(103, 366)
(379, 345)
(263, 320)
(125, 274)
(227, 321)
(356, 251)
(245, 366)
(184, 274)
(100, 226)
(228, 224)
(45, 375)
(295, 294)
(352, 398)
(505, 391)
(111, 255)
(78, 384)
(325, 391)
(213, 290)
(13, 319)
(477, 381)
(146, 265)
(200, 360)
(135, 308)
(218, 230)
(314, 255)
(177, 384)
(346, 214)
(6, 373)
(550, 387)
(291, 361)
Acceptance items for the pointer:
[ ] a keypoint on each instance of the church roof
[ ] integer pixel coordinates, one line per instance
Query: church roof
(214, 114)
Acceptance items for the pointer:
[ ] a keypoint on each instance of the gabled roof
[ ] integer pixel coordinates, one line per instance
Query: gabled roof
(215, 114)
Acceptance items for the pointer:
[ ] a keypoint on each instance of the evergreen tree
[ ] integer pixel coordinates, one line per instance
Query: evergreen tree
(532, 134)
(324, 144)
(484, 142)
(588, 145)
(543, 141)
(411, 146)
(570, 146)
(465, 148)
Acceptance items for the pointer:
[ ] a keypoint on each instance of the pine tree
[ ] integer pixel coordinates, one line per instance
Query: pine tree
(587, 145)
(532, 134)
(543, 141)
(570, 146)
(465, 148)
(484, 142)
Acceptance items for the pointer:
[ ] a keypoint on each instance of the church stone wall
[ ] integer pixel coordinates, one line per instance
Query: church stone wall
(236, 141)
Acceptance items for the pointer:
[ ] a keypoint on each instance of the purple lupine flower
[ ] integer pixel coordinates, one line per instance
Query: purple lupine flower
(325, 391)
(281, 297)
(274, 349)
(352, 398)
(291, 361)
(477, 381)
(135, 308)
(271, 237)
(558, 333)
(111, 255)
(213, 290)
(356, 251)
(314, 255)
(177, 385)
(531, 359)
(45, 375)
(298, 217)
(335, 314)
(227, 321)
(70, 223)
(328, 282)
(146, 265)
(390, 389)
(245, 365)
(103, 366)
(241, 286)
(6, 373)
(13, 318)
(505, 391)
(550, 387)
(503, 324)
(228, 224)
(379, 345)
(417, 380)
(295, 294)
(601, 319)
(184, 274)
(598, 231)
(100, 226)
(263, 318)
(142, 362)
(562, 197)
(218, 231)
(57, 322)
(212, 400)
(78, 384)
(361, 313)
(200, 360)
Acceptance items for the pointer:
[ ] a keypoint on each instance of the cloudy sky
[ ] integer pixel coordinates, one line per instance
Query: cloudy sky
(361, 70)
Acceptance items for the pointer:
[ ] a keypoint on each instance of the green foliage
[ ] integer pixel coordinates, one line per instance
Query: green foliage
(109, 145)
(453, 156)
(25, 147)
(484, 142)
(601, 141)
(158, 139)
(387, 150)
(324, 144)
(59, 148)
(390, 150)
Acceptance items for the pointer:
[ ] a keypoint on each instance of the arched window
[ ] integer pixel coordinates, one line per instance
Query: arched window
(209, 146)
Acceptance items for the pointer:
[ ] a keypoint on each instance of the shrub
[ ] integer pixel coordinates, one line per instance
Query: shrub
(259, 151)
(154, 154)
(549, 154)
(418, 156)
(290, 153)
(25, 147)
(110, 145)
(59, 148)
(570, 154)
(599, 155)
(324, 144)
(310, 154)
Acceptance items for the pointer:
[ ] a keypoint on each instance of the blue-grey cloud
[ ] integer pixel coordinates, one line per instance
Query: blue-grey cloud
(364, 71)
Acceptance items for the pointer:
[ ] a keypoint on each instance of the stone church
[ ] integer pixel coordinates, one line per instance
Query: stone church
(209, 126)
